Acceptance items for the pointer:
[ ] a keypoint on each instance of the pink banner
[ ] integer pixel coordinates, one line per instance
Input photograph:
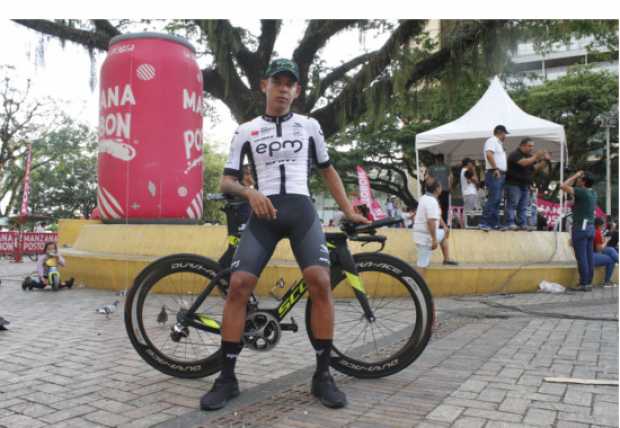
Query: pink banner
(31, 242)
(366, 195)
(24, 209)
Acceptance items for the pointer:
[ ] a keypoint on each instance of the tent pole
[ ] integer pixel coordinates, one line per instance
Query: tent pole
(562, 145)
(417, 172)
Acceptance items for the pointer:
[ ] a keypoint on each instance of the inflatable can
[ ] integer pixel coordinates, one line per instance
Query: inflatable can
(150, 131)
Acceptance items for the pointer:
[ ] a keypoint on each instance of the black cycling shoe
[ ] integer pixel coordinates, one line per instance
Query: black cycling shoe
(221, 391)
(325, 389)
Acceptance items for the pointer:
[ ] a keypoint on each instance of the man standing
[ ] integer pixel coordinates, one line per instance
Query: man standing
(429, 229)
(279, 146)
(495, 174)
(521, 167)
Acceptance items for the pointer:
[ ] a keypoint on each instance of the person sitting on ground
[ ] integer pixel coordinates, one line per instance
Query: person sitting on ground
(603, 255)
(49, 257)
(426, 233)
(612, 234)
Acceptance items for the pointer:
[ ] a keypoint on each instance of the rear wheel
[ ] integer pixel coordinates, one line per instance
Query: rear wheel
(162, 291)
(402, 306)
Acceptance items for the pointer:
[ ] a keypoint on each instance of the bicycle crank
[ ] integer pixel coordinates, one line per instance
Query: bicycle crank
(262, 331)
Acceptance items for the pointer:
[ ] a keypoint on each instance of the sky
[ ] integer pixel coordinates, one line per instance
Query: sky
(64, 73)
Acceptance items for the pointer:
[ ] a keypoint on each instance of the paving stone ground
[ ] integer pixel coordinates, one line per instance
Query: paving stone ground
(63, 365)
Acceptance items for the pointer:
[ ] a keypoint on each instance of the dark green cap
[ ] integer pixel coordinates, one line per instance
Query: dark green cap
(282, 65)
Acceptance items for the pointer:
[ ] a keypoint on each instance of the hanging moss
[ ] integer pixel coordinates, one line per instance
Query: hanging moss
(92, 81)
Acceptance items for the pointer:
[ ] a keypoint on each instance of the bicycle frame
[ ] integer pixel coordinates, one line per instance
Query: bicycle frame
(341, 261)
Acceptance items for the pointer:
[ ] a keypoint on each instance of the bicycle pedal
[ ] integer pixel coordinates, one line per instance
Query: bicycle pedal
(291, 326)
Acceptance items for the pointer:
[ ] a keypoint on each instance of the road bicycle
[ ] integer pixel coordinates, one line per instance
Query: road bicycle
(383, 312)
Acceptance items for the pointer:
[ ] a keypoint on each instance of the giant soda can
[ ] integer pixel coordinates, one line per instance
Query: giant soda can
(150, 131)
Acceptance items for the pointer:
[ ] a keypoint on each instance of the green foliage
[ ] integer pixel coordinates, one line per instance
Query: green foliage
(63, 179)
(213, 167)
(577, 100)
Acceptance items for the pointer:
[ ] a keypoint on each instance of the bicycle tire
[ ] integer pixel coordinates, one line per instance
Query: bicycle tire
(55, 282)
(158, 272)
(391, 358)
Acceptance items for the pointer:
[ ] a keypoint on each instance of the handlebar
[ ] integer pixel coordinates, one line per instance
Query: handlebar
(353, 228)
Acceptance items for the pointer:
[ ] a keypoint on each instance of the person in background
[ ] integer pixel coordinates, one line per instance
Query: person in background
(440, 172)
(494, 177)
(521, 167)
(579, 186)
(604, 255)
(469, 185)
(612, 233)
(532, 218)
(50, 252)
(389, 206)
(426, 231)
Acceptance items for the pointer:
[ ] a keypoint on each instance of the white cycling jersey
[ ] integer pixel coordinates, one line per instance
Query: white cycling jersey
(280, 150)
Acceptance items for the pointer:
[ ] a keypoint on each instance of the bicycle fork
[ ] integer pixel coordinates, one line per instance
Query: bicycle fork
(345, 259)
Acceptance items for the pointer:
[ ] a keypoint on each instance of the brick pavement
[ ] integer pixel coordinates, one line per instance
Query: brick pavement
(63, 365)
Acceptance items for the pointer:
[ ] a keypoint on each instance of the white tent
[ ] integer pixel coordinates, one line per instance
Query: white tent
(465, 136)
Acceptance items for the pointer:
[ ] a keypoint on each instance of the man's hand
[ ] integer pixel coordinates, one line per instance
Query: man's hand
(547, 156)
(496, 173)
(434, 244)
(261, 205)
(356, 218)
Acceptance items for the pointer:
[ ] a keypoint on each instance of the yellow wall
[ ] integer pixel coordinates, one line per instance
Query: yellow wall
(110, 256)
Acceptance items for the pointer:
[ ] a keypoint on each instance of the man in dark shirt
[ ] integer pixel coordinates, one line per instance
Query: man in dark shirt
(521, 167)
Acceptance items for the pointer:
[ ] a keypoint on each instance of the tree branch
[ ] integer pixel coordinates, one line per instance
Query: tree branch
(437, 60)
(267, 39)
(104, 26)
(350, 103)
(316, 36)
(335, 75)
(229, 39)
(89, 39)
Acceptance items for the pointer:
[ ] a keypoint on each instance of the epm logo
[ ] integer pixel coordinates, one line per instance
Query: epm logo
(276, 146)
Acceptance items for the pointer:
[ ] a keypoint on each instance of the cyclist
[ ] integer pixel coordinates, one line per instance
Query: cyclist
(280, 145)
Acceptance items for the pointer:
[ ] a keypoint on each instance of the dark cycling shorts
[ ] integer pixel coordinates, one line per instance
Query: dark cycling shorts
(296, 220)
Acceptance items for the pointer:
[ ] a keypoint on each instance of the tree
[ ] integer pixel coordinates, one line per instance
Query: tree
(63, 179)
(23, 120)
(405, 86)
(576, 101)
(336, 96)
(213, 166)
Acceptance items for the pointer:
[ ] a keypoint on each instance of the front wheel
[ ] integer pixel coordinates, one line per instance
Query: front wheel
(159, 297)
(402, 306)
(54, 281)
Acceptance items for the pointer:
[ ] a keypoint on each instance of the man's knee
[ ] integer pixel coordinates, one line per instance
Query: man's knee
(241, 286)
(317, 278)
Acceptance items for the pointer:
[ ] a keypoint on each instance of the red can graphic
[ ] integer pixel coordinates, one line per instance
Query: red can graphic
(150, 131)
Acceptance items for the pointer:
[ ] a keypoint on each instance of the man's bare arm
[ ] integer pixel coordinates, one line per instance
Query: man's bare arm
(336, 188)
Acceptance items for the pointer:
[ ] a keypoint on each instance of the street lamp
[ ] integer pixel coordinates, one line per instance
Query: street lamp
(608, 120)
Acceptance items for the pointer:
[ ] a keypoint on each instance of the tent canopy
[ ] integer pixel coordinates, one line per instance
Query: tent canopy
(465, 136)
